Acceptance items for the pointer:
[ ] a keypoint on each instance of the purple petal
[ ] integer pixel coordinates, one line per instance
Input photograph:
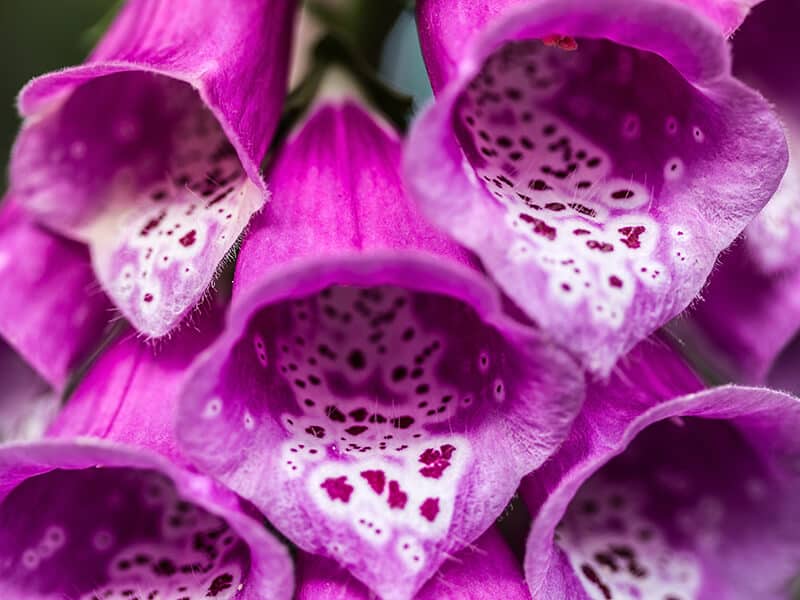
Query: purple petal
(751, 307)
(80, 520)
(486, 569)
(369, 394)
(27, 403)
(51, 311)
(599, 184)
(660, 493)
(746, 316)
(135, 378)
(447, 27)
(149, 152)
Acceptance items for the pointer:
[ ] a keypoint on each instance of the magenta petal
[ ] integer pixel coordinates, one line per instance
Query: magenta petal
(660, 493)
(80, 519)
(751, 307)
(27, 403)
(51, 310)
(149, 152)
(485, 569)
(597, 185)
(746, 317)
(135, 380)
(369, 394)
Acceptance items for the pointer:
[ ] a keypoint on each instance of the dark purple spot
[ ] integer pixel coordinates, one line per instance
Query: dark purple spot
(429, 509)
(334, 414)
(316, 431)
(397, 497)
(188, 239)
(338, 488)
(375, 479)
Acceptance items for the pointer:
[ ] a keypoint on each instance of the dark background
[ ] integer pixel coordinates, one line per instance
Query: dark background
(37, 36)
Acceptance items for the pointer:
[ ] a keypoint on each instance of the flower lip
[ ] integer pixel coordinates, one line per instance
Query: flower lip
(686, 39)
(270, 570)
(742, 420)
(581, 197)
(409, 269)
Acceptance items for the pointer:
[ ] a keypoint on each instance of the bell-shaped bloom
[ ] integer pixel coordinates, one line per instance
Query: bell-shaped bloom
(597, 156)
(106, 507)
(483, 570)
(666, 492)
(149, 152)
(51, 310)
(369, 393)
(751, 307)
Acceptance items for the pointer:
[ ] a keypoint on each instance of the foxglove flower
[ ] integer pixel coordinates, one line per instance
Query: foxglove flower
(108, 508)
(751, 307)
(149, 152)
(662, 491)
(369, 393)
(51, 311)
(486, 569)
(597, 156)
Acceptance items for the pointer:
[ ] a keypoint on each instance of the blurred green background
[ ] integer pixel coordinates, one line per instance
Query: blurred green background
(37, 36)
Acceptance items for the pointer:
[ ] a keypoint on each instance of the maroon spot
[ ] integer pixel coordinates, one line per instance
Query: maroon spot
(555, 206)
(601, 246)
(148, 297)
(338, 488)
(316, 431)
(219, 584)
(615, 281)
(188, 239)
(593, 577)
(539, 226)
(436, 461)
(632, 234)
(622, 195)
(153, 223)
(334, 414)
(375, 479)
(219, 197)
(584, 210)
(581, 232)
(429, 509)
(356, 429)
(358, 414)
(397, 497)
(403, 422)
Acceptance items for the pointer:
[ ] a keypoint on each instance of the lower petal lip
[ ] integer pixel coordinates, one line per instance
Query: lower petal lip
(270, 571)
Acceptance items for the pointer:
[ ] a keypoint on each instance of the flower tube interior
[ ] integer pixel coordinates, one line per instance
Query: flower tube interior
(115, 533)
(675, 515)
(379, 407)
(663, 491)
